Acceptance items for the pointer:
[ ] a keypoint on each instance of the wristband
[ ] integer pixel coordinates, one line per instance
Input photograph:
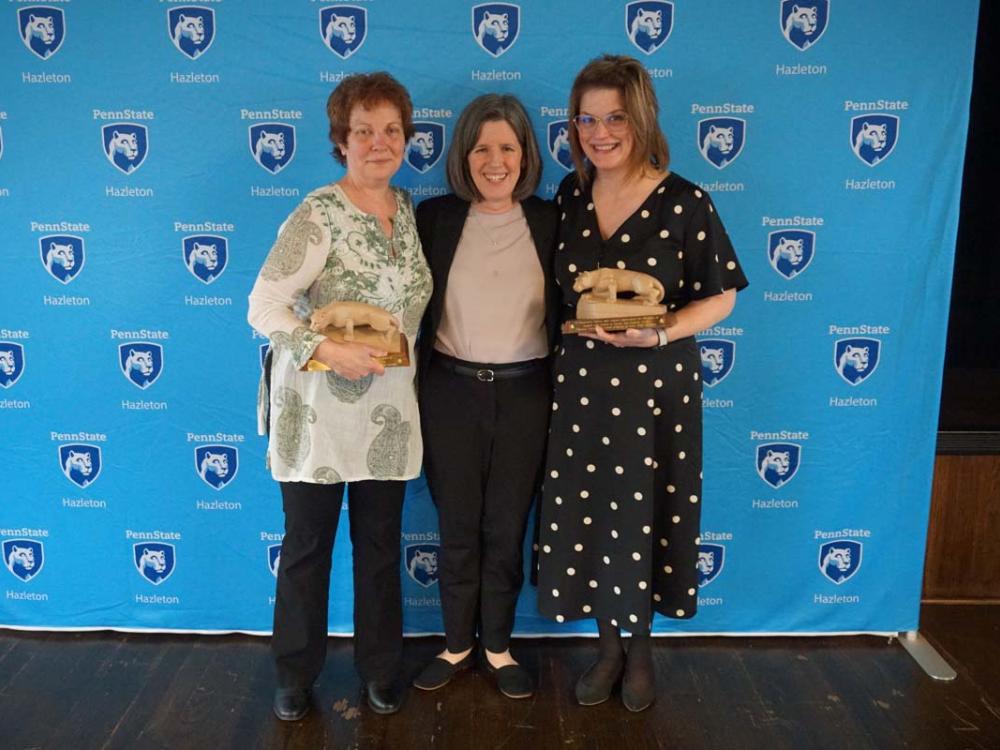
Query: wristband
(661, 337)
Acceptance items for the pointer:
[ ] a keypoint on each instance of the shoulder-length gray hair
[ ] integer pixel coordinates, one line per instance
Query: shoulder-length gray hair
(492, 108)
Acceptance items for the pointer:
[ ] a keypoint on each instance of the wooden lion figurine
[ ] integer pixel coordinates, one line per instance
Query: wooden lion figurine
(605, 282)
(347, 315)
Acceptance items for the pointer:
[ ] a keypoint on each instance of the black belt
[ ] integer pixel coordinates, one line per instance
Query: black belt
(487, 373)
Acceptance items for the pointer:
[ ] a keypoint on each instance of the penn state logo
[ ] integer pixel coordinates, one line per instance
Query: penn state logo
(711, 558)
(62, 255)
(803, 23)
(80, 463)
(648, 24)
(24, 558)
(426, 146)
(205, 256)
(43, 29)
(272, 145)
(155, 561)
(790, 251)
(141, 362)
(721, 139)
(777, 463)
(856, 359)
(558, 140)
(422, 563)
(717, 359)
(343, 28)
(840, 560)
(496, 26)
(191, 29)
(264, 348)
(216, 464)
(126, 145)
(274, 559)
(873, 137)
(11, 363)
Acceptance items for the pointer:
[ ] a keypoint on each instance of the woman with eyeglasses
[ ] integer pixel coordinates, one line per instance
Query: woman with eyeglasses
(356, 426)
(618, 536)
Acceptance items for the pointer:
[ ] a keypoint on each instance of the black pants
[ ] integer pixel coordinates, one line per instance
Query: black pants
(483, 450)
(302, 600)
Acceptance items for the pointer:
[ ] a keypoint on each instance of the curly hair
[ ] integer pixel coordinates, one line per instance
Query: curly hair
(365, 90)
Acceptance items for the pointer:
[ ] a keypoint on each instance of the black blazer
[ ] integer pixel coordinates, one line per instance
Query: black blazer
(439, 224)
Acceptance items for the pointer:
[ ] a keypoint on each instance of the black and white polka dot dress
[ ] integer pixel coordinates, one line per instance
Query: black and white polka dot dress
(621, 501)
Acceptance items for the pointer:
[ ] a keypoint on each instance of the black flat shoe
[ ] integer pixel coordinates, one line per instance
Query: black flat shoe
(291, 704)
(439, 672)
(636, 700)
(592, 690)
(512, 681)
(384, 699)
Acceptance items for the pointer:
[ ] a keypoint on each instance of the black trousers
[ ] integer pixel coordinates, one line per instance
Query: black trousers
(484, 444)
(302, 600)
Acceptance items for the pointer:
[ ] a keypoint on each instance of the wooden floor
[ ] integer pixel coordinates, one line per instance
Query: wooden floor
(111, 690)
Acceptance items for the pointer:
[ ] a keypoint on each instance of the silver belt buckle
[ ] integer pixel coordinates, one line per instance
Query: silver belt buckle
(484, 376)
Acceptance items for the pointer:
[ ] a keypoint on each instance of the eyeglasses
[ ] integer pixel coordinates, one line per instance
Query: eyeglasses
(616, 122)
(364, 133)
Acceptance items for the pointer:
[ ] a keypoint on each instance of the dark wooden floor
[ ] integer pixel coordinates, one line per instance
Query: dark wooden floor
(112, 690)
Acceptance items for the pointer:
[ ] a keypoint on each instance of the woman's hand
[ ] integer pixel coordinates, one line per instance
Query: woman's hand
(637, 337)
(350, 359)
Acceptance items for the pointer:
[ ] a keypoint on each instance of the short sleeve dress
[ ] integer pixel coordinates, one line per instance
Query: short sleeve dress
(621, 501)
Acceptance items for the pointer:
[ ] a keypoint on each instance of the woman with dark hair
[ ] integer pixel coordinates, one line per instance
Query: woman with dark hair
(485, 389)
(622, 495)
(357, 424)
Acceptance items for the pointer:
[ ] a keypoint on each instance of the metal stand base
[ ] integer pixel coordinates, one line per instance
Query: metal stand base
(926, 656)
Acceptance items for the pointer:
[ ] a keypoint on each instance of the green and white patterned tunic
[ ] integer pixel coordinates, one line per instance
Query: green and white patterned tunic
(325, 428)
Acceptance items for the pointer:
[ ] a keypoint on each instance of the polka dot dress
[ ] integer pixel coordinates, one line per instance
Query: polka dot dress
(621, 500)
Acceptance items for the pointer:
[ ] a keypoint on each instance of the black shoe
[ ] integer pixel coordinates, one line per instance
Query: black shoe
(439, 672)
(512, 680)
(384, 699)
(291, 704)
(592, 690)
(637, 699)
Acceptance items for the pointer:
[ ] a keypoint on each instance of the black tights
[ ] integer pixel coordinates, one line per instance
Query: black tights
(639, 663)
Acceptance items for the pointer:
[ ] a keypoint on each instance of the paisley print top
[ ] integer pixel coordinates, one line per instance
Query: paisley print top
(325, 428)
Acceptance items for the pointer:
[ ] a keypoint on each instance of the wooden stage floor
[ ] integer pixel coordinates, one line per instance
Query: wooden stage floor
(114, 690)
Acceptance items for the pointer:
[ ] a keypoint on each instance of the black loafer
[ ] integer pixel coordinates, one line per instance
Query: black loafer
(384, 699)
(592, 691)
(512, 681)
(637, 700)
(291, 704)
(439, 672)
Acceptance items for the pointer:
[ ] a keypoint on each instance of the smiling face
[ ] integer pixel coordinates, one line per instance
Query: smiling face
(495, 164)
(375, 144)
(606, 151)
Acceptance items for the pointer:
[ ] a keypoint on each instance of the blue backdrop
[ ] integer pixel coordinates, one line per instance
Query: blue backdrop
(142, 180)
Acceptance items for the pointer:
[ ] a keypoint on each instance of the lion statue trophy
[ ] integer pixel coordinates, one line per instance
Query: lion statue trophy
(365, 324)
(601, 305)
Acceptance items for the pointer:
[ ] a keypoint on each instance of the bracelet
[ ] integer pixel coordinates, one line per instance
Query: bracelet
(661, 337)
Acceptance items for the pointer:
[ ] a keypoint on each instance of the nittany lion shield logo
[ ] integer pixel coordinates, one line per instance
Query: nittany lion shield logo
(803, 23)
(648, 24)
(721, 139)
(422, 563)
(62, 255)
(191, 29)
(43, 29)
(274, 559)
(777, 463)
(272, 145)
(80, 463)
(343, 28)
(141, 362)
(790, 251)
(717, 359)
(496, 26)
(216, 464)
(856, 359)
(205, 256)
(154, 560)
(426, 146)
(711, 558)
(873, 137)
(126, 145)
(558, 140)
(840, 560)
(11, 363)
(24, 558)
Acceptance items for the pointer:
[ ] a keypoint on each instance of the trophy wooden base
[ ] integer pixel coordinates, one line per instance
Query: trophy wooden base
(617, 315)
(393, 342)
